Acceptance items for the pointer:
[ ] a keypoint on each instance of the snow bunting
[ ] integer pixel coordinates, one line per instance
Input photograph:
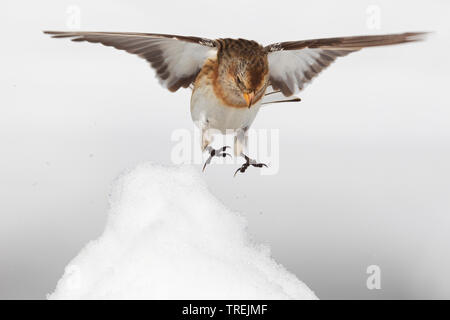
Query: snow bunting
(232, 78)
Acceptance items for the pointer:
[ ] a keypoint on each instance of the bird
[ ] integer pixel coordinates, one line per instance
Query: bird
(230, 78)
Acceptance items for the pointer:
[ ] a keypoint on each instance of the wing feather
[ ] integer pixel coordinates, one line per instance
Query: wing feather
(176, 59)
(293, 64)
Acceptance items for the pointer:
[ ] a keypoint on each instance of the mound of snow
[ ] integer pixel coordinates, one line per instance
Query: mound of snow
(167, 237)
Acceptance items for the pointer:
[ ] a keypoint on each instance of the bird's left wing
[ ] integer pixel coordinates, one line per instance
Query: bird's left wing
(293, 64)
(176, 59)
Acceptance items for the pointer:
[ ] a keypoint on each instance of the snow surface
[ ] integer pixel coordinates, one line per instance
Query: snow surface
(168, 237)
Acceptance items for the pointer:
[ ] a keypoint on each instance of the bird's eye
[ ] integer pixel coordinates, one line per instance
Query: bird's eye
(239, 81)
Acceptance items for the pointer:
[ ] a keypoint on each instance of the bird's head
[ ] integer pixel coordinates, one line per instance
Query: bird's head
(242, 75)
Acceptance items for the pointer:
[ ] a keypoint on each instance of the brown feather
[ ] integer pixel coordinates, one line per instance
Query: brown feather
(317, 54)
(352, 43)
(147, 46)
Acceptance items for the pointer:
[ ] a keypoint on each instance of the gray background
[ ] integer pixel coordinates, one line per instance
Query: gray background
(364, 158)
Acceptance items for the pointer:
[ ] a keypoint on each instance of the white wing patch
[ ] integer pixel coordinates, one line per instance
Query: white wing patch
(291, 70)
(183, 59)
(290, 66)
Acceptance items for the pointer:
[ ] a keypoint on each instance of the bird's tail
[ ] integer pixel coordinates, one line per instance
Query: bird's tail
(275, 96)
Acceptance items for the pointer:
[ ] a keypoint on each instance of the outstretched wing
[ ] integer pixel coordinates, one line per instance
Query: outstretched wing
(176, 59)
(293, 64)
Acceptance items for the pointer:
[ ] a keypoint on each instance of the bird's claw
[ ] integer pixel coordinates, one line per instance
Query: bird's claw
(215, 153)
(249, 162)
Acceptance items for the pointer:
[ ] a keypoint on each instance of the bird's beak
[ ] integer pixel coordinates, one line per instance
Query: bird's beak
(249, 98)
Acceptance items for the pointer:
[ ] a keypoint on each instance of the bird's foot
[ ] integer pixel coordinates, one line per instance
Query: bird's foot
(215, 153)
(249, 162)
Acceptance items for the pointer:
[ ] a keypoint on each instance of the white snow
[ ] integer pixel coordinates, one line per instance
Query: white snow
(168, 237)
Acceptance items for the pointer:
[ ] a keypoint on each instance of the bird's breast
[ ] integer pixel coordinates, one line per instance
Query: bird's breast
(208, 110)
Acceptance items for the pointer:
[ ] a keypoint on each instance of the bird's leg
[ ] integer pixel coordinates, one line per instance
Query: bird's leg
(215, 153)
(240, 141)
(249, 162)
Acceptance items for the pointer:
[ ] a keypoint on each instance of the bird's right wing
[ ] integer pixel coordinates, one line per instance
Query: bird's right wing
(293, 64)
(176, 59)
